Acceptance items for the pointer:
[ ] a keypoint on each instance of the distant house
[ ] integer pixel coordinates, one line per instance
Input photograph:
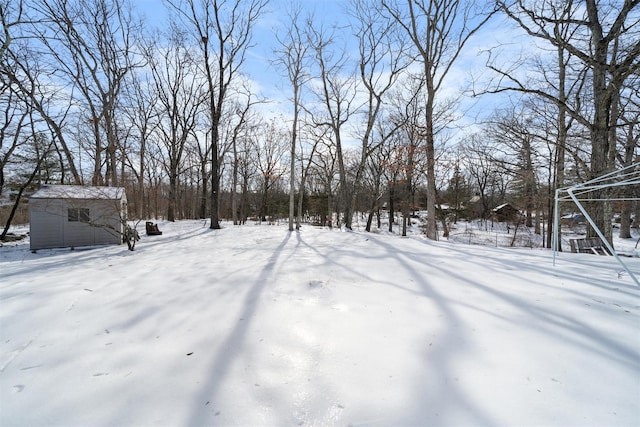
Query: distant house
(475, 207)
(506, 212)
(572, 219)
(74, 215)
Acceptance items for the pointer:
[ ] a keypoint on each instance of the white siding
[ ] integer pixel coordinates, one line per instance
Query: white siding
(46, 223)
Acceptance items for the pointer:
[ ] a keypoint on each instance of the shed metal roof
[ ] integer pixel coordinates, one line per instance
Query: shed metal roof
(78, 192)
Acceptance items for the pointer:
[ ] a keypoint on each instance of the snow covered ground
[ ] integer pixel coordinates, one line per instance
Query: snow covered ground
(255, 326)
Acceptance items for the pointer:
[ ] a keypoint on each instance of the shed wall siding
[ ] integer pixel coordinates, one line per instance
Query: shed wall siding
(105, 221)
(46, 223)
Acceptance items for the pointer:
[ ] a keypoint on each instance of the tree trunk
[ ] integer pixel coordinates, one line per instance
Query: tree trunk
(374, 206)
(171, 208)
(600, 210)
(204, 190)
(391, 207)
(560, 145)
(625, 220)
(405, 220)
(628, 191)
(431, 230)
(292, 162)
(3, 235)
(12, 214)
(234, 185)
(369, 220)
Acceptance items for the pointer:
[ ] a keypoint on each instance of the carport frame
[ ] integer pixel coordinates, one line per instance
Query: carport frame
(629, 175)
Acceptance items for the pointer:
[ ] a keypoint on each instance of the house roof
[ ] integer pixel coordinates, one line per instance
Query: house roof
(78, 192)
(503, 206)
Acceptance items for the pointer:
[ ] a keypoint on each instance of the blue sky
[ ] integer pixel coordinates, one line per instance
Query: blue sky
(272, 85)
(259, 59)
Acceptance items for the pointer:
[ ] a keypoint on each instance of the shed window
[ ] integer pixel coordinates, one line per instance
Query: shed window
(78, 215)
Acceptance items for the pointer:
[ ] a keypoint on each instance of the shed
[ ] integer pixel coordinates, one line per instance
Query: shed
(74, 215)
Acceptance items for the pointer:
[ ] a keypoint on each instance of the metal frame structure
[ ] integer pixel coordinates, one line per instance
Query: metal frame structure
(578, 193)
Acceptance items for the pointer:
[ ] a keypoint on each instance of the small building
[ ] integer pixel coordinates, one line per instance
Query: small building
(74, 215)
(572, 220)
(506, 212)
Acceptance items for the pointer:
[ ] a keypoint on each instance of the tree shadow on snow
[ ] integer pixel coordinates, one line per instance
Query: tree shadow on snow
(438, 396)
(522, 310)
(232, 345)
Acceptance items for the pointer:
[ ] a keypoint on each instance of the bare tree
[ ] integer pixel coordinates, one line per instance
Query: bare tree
(14, 121)
(373, 174)
(394, 163)
(291, 57)
(564, 89)
(10, 16)
(604, 39)
(243, 121)
(223, 30)
(202, 149)
(336, 92)
(629, 142)
(90, 45)
(142, 115)
(516, 153)
(307, 157)
(39, 149)
(324, 170)
(439, 30)
(247, 164)
(483, 171)
(270, 153)
(180, 99)
(382, 58)
(410, 149)
(24, 74)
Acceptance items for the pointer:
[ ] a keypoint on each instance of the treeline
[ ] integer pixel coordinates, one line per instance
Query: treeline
(372, 115)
